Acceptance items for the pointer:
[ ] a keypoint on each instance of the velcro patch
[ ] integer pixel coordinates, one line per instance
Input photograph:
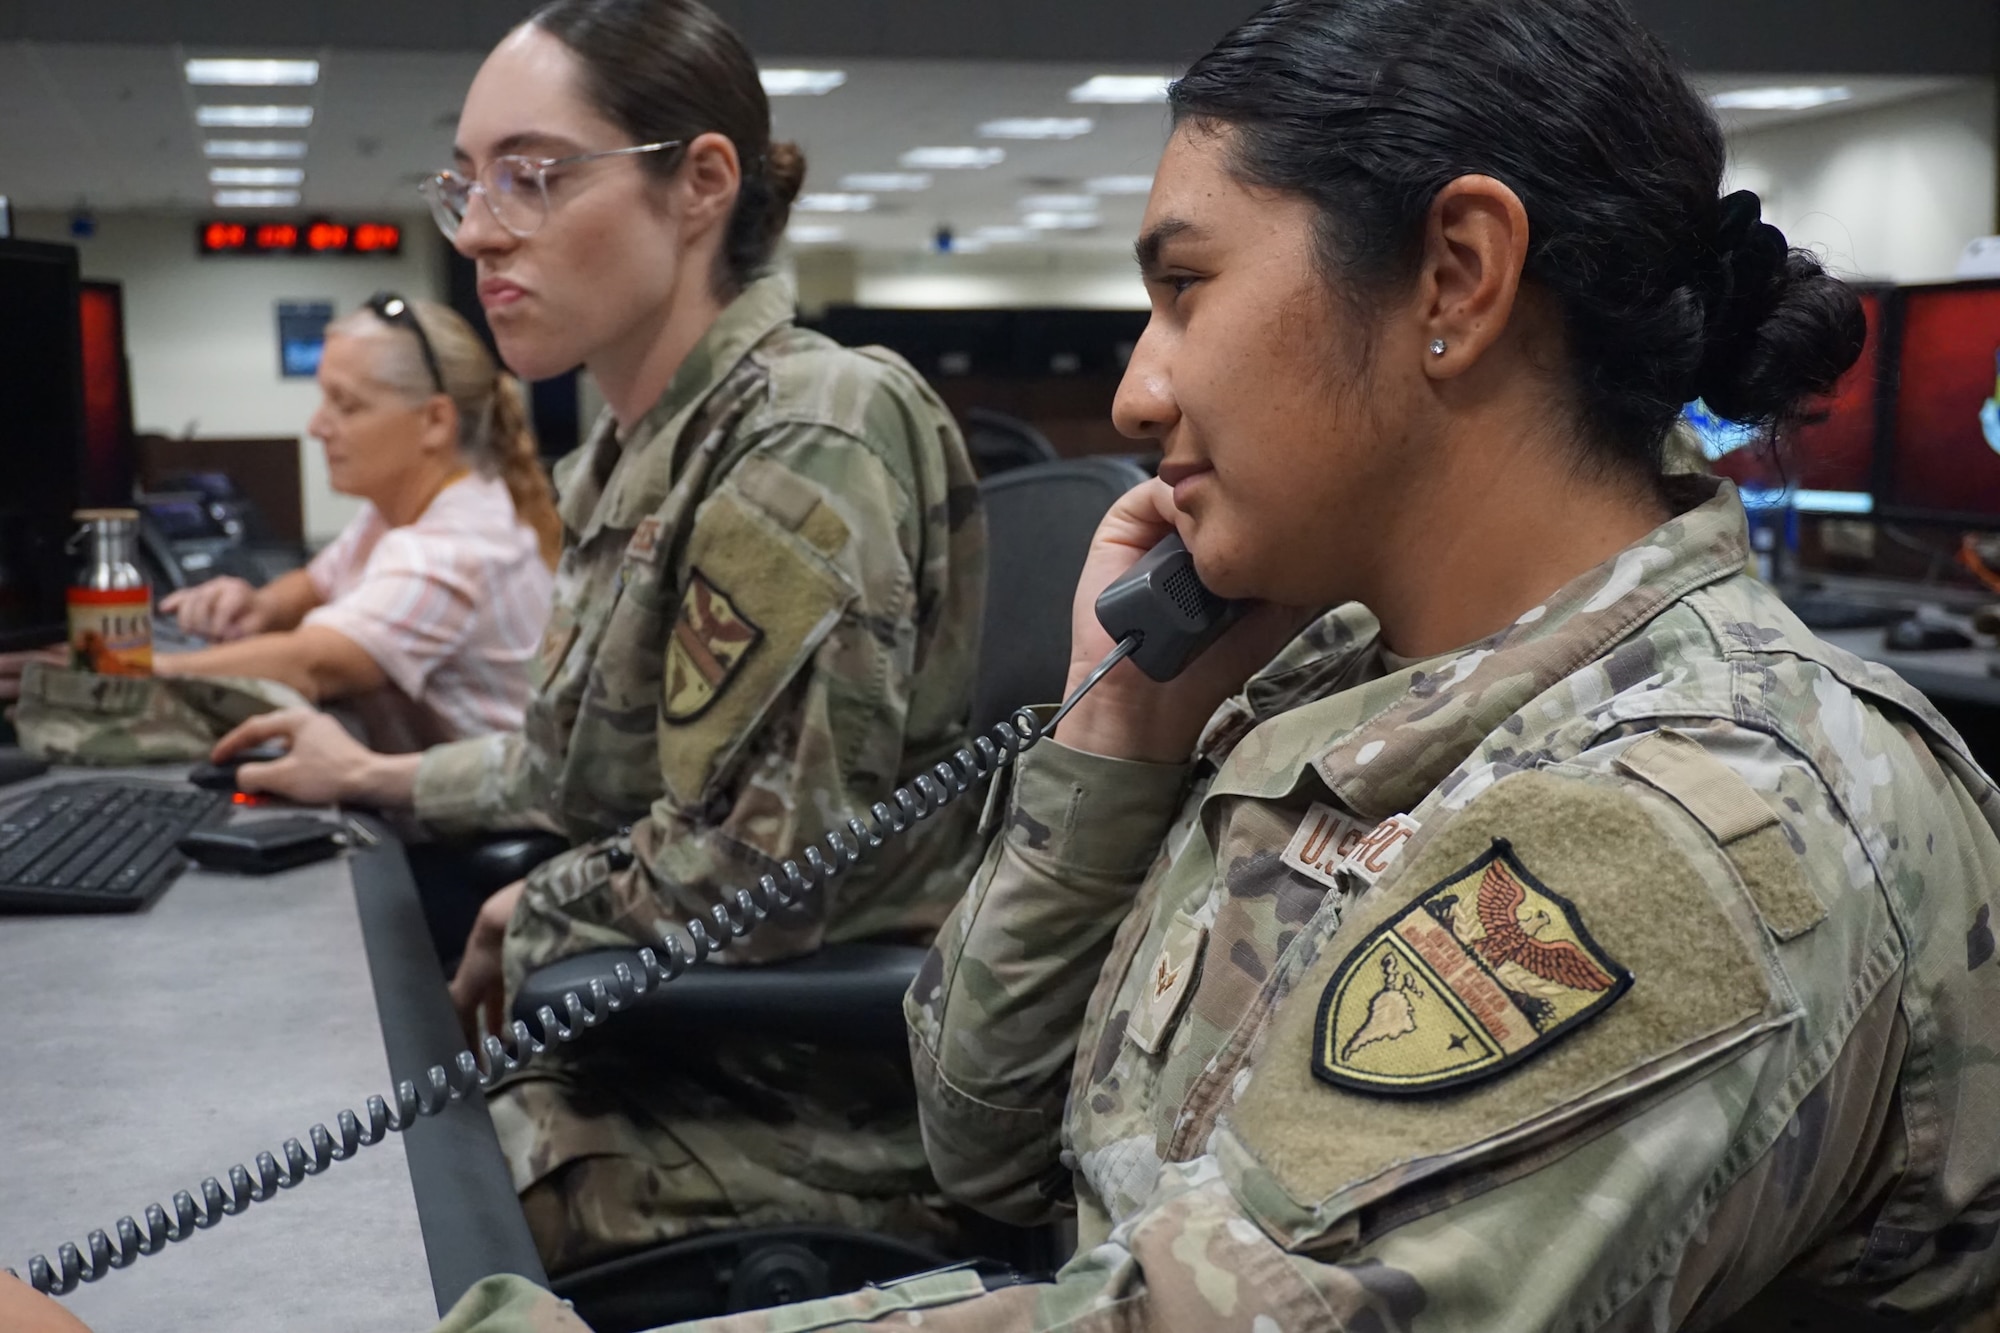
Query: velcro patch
(1485, 969)
(709, 643)
(1739, 821)
(771, 585)
(1727, 806)
(1375, 853)
(1659, 903)
(1324, 839)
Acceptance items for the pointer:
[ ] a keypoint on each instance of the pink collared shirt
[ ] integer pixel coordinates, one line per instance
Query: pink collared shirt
(451, 607)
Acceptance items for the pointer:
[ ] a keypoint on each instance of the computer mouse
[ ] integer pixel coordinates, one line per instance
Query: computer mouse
(1924, 634)
(222, 776)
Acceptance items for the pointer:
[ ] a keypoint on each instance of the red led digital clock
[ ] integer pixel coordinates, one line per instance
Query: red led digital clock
(321, 237)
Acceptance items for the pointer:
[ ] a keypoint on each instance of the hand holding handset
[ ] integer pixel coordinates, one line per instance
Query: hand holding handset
(1163, 601)
(1158, 613)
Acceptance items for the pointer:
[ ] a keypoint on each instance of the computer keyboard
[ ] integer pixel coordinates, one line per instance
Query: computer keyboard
(99, 845)
(169, 637)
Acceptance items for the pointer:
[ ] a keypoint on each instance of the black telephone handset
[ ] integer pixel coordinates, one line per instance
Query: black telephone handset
(1163, 601)
(1162, 618)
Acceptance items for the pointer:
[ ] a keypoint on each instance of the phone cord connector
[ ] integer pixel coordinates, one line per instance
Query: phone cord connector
(680, 948)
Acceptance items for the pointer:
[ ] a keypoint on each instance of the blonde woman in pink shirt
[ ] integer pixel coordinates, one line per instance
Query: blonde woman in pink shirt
(424, 614)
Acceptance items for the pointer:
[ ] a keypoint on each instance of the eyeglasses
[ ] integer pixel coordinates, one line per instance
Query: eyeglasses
(516, 189)
(393, 309)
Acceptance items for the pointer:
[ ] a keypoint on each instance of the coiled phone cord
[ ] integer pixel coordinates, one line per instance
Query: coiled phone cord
(731, 919)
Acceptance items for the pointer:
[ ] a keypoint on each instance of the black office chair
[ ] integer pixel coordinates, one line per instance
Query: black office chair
(1039, 524)
(1000, 443)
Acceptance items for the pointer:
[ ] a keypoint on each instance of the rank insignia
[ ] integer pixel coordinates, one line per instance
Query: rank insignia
(1486, 969)
(1168, 984)
(710, 641)
(645, 539)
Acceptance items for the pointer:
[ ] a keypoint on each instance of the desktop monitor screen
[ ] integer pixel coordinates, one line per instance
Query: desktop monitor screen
(107, 398)
(1827, 464)
(41, 436)
(1947, 419)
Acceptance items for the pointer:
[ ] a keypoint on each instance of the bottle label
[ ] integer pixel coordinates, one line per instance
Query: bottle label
(110, 632)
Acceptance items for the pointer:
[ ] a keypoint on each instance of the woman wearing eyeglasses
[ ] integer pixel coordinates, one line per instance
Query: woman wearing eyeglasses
(423, 616)
(766, 615)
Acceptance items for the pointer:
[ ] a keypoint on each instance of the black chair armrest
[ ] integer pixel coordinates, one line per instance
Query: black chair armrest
(454, 878)
(499, 861)
(847, 995)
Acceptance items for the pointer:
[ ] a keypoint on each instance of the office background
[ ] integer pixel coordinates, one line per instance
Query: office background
(1888, 178)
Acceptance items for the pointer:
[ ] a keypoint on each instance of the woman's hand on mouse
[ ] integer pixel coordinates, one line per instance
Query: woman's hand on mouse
(322, 765)
(1129, 715)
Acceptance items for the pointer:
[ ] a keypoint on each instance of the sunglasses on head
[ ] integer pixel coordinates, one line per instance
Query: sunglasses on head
(393, 309)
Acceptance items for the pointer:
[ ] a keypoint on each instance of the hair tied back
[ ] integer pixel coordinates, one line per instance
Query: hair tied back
(1752, 251)
(1748, 282)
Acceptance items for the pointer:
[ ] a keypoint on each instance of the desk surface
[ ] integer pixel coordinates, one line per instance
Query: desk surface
(150, 1051)
(1951, 675)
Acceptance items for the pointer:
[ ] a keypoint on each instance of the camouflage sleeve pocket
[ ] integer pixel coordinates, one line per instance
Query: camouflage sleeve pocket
(756, 603)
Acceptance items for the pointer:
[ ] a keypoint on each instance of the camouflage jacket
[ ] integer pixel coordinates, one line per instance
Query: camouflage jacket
(1588, 978)
(767, 613)
(80, 717)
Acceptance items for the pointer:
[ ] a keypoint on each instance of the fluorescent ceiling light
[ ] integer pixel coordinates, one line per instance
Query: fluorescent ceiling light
(254, 73)
(806, 233)
(1122, 89)
(1004, 235)
(830, 202)
(1055, 221)
(256, 198)
(1119, 185)
(255, 149)
(253, 117)
(1801, 98)
(256, 176)
(886, 182)
(801, 82)
(1037, 127)
(1058, 203)
(953, 159)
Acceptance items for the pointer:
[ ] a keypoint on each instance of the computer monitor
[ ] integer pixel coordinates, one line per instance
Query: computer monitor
(108, 459)
(41, 436)
(1822, 466)
(1945, 463)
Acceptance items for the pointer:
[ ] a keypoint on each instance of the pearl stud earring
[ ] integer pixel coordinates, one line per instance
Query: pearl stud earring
(1437, 347)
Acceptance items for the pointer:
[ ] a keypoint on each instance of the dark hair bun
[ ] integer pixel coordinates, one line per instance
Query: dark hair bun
(1772, 350)
(788, 173)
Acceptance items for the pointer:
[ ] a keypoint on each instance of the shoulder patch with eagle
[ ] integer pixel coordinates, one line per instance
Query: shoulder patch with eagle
(710, 641)
(1486, 969)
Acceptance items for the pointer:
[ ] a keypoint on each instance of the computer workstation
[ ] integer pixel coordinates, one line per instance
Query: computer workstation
(1871, 517)
(189, 883)
(174, 1020)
